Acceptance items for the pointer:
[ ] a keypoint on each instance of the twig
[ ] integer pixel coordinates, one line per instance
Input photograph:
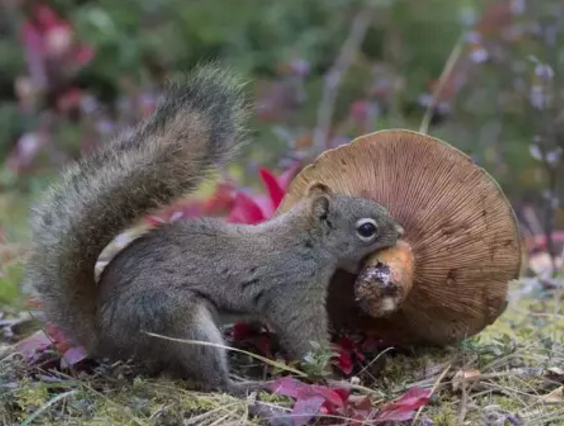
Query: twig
(376, 358)
(433, 390)
(447, 71)
(334, 77)
(463, 405)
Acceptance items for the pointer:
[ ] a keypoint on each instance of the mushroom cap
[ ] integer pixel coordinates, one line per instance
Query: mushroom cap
(460, 226)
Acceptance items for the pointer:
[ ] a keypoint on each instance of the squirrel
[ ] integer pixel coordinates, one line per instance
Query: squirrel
(177, 279)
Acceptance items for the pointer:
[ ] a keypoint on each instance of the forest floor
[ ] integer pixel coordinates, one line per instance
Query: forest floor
(510, 374)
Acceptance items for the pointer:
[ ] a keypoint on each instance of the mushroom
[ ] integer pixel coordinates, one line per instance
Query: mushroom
(447, 279)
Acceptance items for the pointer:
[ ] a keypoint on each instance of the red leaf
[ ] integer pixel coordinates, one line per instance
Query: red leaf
(57, 337)
(69, 100)
(178, 211)
(360, 403)
(242, 331)
(306, 409)
(261, 340)
(285, 178)
(46, 17)
(404, 408)
(154, 221)
(192, 209)
(245, 210)
(344, 362)
(343, 393)
(273, 187)
(265, 204)
(33, 345)
(41, 340)
(263, 343)
(346, 348)
(73, 356)
(359, 410)
(293, 388)
(539, 241)
(222, 199)
(83, 55)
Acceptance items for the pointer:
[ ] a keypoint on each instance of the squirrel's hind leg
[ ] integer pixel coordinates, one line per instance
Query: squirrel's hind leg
(203, 364)
(197, 361)
(196, 354)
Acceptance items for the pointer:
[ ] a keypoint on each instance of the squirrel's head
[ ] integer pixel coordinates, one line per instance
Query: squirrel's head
(350, 227)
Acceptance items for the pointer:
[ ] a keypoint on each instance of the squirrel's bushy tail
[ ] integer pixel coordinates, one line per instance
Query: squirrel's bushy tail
(193, 128)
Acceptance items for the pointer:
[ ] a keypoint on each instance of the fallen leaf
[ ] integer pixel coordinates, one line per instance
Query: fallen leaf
(306, 409)
(347, 348)
(260, 339)
(73, 356)
(242, 331)
(33, 345)
(344, 362)
(556, 371)
(359, 410)
(335, 399)
(461, 375)
(405, 407)
(554, 397)
(58, 338)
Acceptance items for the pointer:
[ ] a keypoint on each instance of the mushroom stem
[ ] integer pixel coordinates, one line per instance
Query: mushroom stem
(385, 280)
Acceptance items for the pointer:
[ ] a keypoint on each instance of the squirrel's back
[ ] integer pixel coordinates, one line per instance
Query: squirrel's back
(194, 127)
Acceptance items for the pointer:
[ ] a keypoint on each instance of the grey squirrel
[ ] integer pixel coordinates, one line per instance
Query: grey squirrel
(176, 279)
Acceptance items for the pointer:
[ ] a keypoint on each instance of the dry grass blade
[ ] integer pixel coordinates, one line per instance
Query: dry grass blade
(433, 390)
(376, 358)
(270, 362)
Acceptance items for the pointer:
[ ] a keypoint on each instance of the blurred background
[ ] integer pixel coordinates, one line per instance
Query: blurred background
(486, 76)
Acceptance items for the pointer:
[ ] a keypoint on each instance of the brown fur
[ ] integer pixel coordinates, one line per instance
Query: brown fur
(178, 278)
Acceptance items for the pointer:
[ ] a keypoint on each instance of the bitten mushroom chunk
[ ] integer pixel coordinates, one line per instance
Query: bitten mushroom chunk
(448, 278)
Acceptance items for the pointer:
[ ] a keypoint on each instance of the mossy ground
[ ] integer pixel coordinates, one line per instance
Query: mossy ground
(512, 373)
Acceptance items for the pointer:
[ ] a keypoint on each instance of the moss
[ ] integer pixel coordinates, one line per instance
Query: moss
(10, 276)
(31, 395)
(512, 358)
(445, 417)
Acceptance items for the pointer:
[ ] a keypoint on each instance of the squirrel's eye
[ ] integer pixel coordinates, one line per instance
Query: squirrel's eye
(366, 229)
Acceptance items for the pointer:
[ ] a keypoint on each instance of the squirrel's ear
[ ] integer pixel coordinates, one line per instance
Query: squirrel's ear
(320, 196)
(318, 188)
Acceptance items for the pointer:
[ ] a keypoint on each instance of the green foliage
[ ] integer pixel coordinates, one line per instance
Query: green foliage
(141, 41)
(10, 278)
